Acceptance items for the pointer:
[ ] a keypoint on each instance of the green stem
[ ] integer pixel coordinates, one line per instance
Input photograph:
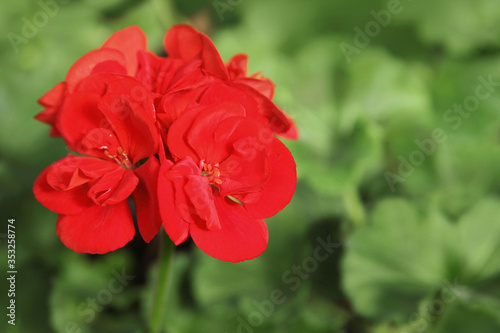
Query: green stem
(165, 272)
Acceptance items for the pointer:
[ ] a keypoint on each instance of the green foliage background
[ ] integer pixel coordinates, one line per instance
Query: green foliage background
(418, 253)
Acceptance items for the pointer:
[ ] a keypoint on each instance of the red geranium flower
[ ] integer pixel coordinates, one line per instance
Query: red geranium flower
(118, 55)
(210, 124)
(230, 172)
(110, 119)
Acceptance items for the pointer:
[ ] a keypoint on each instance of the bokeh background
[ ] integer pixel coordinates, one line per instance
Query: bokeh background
(398, 106)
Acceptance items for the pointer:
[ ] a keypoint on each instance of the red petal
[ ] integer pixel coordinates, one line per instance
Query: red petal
(292, 133)
(70, 184)
(146, 199)
(220, 92)
(238, 66)
(97, 83)
(70, 201)
(235, 129)
(113, 187)
(172, 105)
(150, 69)
(66, 174)
(52, 101)
(184, 42)
(109, 66)
(129, 41)
(201, 196)
(247, 166)
(178, 175)
(201, 133)
(278, 190)
(175, 227)
(157, 73)
(190, 76)
(262, 85)
(257, 106)
(177, 136)
(246, 169)
(98, 141)
(241, 236)
(97, 229)
(79, 115)
(85, 65)
(238, 71)
(277, 120)
(95, 167)
(129, 108)
(55, 96)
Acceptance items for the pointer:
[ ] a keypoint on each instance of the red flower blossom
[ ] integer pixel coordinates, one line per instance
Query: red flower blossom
(118, 55)
(110, 119)
(123, 110)
(230, 172)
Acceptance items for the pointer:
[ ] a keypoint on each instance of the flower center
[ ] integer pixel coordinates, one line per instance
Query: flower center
(212, 172)
(120, 157)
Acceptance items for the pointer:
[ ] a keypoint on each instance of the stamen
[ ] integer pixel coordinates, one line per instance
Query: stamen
(212, 172)
(106, 152)
(121, 158)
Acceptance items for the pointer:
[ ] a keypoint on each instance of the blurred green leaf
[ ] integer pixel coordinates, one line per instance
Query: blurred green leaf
(86, 289)
(406, 257)
(461, 27)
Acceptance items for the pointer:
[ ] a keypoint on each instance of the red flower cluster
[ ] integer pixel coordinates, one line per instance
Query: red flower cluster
(188, 137)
